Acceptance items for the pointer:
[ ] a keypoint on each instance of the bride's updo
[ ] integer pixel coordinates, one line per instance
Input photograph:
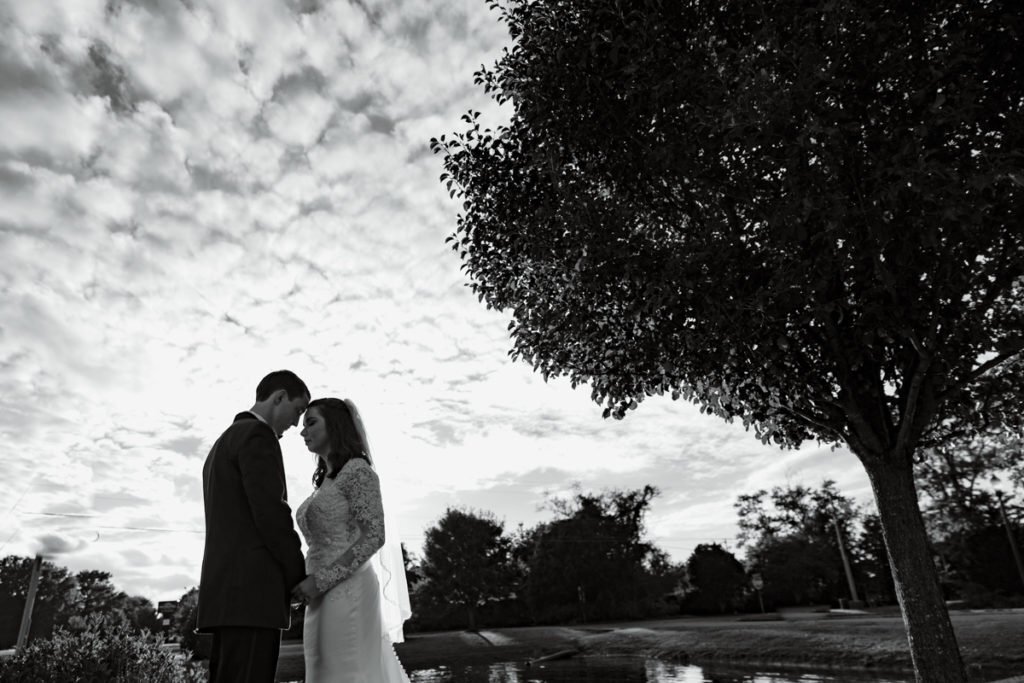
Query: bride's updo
(345, 440)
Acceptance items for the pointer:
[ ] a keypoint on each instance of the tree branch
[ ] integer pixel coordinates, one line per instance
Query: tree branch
(861, 431)
(910, 407)
(979, 371)
(821, 423)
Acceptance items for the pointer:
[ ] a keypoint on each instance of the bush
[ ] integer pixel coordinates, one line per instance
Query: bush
(976, 596)
(104, 652)
(183, 624)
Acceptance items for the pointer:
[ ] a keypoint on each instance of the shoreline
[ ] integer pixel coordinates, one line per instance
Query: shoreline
(990, 643)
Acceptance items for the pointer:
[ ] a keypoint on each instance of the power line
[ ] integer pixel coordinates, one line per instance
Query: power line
(16, 504)
(108, 526)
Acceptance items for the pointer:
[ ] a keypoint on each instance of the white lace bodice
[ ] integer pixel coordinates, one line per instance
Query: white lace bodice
(343, 523)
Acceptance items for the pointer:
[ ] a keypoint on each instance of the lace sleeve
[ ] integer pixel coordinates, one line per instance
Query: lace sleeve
(360, 485)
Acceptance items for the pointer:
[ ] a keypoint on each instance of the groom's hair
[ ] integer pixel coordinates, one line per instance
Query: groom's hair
(281, 379)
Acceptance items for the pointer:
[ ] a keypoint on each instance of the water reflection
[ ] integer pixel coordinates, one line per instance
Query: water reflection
(628, 670)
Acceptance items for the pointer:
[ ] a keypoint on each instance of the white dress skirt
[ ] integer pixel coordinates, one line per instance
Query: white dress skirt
(342, 635)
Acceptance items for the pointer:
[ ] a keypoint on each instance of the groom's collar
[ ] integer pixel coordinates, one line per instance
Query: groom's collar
(258, 417)
(263, 420)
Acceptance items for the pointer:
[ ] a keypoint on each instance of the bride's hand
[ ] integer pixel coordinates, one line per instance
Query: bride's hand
(306, 590)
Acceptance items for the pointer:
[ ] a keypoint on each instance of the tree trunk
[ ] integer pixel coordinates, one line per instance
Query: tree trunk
(933, 646)
(471, 614)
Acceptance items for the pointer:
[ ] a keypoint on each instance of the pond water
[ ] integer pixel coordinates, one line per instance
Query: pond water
(633, 670)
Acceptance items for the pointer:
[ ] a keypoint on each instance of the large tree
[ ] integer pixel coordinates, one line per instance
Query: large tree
(467, 561)
(791, 538)
(802, 215)
(593, 560)
(98, 595)
(717, 577)
(141, 613)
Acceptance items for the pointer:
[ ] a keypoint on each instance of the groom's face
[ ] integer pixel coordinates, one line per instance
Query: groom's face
(287, 411)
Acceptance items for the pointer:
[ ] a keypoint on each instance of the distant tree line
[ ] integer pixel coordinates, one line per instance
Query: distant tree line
(970, 494)
(593, 561)
(65, 600)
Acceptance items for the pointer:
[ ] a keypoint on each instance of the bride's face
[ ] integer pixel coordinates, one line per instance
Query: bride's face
(314, 432)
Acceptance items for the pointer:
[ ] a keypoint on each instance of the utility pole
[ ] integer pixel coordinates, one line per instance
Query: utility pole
(854, 599)
(30, 599)
(1010, 535)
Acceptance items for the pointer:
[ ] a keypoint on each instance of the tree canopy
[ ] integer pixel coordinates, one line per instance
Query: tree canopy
(794, 510)
(593, 561)
(717, 577)
(467, 561)
(802, 216)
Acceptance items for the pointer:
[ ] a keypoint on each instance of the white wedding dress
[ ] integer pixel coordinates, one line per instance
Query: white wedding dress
(344, 640)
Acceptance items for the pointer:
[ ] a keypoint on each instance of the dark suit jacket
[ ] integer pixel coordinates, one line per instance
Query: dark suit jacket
(253, 557)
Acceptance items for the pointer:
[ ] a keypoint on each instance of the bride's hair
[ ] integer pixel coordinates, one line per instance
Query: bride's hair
(344, 438)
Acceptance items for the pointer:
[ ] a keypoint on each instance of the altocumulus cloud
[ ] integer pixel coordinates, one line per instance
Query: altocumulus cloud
(197, 193)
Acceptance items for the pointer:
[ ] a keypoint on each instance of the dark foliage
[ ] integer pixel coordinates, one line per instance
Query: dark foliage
(718, 579)
(467, 562)
(103, 650)
(805, 216)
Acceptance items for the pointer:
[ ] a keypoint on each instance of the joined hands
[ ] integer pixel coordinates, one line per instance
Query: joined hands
(305, 590)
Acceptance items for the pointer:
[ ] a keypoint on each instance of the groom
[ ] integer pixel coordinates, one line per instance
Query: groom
(253, 556)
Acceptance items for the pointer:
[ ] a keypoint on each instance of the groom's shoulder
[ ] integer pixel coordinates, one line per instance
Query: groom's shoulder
(245, 419)
(243, 422)
(245, 426)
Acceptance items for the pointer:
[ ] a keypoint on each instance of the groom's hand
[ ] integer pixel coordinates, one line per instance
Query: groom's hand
(306, 590)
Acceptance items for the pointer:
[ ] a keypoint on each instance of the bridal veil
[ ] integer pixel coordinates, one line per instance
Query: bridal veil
(387, 562)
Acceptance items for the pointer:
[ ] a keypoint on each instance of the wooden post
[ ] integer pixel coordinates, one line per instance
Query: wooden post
(854, 600)
(30, 599)
(1010, 535)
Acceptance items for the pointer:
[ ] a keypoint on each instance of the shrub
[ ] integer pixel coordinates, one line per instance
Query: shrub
(976, 596)
(104, 652)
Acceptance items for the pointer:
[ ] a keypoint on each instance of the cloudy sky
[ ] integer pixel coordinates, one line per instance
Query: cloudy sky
(195, 193)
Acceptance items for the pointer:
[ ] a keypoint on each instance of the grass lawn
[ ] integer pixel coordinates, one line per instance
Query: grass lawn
(992, 643)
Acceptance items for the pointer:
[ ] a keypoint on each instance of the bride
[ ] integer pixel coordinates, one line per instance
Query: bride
(355, 590)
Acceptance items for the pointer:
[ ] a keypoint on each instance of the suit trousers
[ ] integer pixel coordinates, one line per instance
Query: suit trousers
(242, 654)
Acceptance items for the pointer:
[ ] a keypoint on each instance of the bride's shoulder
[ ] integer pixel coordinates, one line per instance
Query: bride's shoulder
(358, 465)
(357, 475)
